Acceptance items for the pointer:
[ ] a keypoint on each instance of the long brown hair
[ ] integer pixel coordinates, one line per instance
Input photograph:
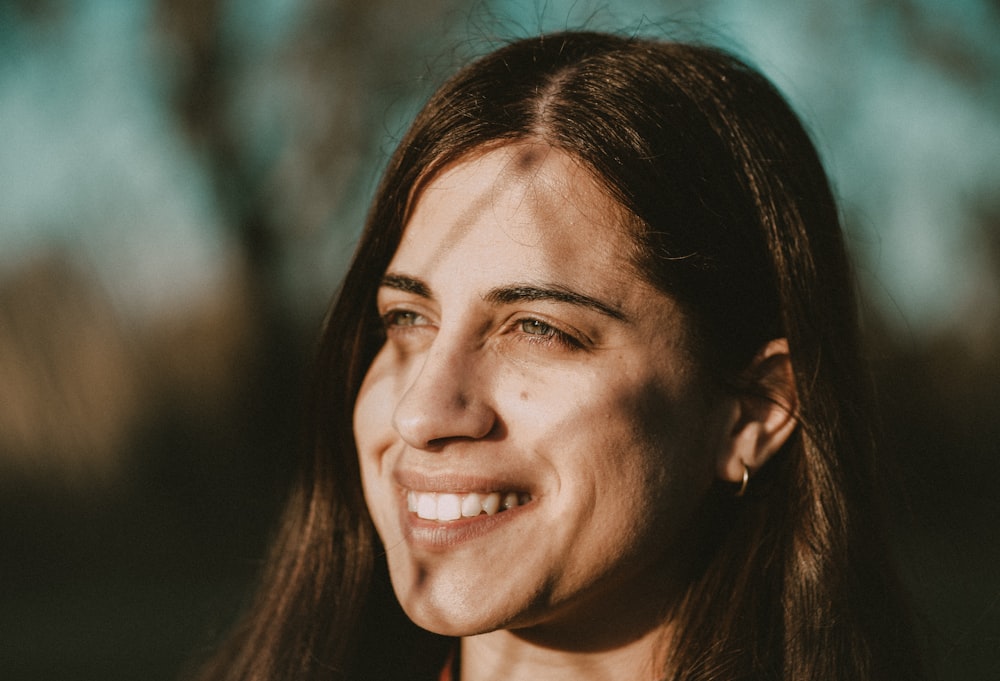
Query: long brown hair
(733, 217)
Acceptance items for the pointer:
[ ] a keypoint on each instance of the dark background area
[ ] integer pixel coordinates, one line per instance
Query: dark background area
(180, 186)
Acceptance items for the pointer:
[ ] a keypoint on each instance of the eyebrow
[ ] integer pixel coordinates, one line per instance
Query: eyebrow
(505, 295)
(401, 282)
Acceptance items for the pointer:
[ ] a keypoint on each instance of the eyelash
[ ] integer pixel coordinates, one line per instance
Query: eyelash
(549, 334)
(391, 319)
(543, 333)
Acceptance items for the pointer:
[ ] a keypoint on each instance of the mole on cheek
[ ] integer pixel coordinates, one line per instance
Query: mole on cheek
(524, 394)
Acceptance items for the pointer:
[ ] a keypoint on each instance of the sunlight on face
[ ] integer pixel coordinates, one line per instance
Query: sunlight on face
(534, 432)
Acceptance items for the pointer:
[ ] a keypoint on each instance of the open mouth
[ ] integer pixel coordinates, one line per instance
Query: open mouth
(448, 506)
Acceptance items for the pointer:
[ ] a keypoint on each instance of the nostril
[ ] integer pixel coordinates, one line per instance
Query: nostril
(433, 422)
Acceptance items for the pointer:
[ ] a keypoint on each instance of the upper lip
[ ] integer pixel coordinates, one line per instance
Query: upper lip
(457, 483)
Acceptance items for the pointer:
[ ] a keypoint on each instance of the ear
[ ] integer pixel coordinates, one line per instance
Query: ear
(763, 416)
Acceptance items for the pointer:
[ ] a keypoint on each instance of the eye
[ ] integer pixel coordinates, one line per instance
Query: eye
(401, 318)
(542, 332)
(536, 328)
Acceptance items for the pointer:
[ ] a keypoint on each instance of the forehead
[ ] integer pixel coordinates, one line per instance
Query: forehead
(522, 201)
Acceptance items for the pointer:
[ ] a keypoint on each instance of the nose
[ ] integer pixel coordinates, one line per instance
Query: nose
(446, 401)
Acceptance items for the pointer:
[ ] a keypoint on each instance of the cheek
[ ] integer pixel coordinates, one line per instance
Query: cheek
(373, 407)
(373, 432)
(650, 462)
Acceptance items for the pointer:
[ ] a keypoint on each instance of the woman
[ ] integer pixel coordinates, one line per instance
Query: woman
(590, 397)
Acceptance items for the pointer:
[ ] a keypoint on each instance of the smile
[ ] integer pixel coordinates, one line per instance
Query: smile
(449, 506)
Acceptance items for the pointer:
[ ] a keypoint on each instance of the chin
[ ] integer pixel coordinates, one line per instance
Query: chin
(453, 609)
(446, 622)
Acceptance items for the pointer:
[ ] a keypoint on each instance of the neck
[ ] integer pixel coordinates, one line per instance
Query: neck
(508, 656)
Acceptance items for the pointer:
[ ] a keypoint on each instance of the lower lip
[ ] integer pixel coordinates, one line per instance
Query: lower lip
(432, 534)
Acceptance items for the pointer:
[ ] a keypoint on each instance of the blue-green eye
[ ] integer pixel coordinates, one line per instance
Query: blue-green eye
(398, 318)
(537, 328)
(541, 332)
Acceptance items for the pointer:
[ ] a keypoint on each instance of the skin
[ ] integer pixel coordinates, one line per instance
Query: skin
(523, 352)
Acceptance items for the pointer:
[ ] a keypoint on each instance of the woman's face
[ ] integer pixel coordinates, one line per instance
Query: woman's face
(534, 431)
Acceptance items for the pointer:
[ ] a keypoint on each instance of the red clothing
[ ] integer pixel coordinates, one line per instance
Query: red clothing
(450, 670)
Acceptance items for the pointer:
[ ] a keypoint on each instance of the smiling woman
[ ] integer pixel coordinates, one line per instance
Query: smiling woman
(590, 397)
(532, 370)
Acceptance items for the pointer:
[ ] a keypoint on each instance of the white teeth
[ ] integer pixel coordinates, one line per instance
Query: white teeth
(491, 503)
(450, 506)
(472, 505)
(427, 506)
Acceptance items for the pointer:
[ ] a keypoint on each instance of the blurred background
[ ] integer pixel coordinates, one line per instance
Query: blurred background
(181, 183)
